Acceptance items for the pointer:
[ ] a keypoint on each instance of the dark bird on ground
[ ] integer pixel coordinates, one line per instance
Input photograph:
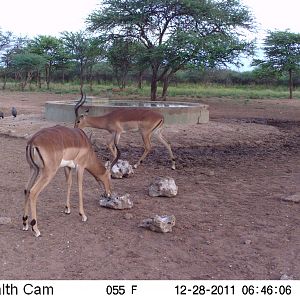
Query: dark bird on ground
(14, 112)
(1, 115)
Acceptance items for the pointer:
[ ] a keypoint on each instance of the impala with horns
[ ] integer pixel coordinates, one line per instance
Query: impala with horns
(147, 121)
(52, 148)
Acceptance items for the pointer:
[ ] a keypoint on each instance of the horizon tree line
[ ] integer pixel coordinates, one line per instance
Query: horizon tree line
(152, 39)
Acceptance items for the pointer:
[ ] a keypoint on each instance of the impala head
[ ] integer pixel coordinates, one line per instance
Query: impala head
(79, 119)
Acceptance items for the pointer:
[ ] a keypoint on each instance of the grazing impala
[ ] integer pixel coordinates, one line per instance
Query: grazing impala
(55, 147)
(147, 121)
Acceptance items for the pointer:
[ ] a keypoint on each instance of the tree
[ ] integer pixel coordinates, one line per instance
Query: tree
(94, 54)
(15, 45)
(121, 57)
(172, 32)
(49, 47)
(26, 64)
(84, 49)
(5, 39)
(282, 55)
(63, 61)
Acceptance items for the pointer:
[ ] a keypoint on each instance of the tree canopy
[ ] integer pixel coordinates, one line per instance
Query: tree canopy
(176, 32)
(5, 39)
(282, 55)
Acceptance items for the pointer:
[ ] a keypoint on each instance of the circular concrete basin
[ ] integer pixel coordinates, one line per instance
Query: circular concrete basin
(173, 112)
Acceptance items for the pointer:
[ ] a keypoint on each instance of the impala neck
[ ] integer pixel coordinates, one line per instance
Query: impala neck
(94, 166)
(96, 122)
(99, 172)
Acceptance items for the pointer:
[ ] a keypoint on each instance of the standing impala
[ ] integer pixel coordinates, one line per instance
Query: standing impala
(147, 121)
(55, 147)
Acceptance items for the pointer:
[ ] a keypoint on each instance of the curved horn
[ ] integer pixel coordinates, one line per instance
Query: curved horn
(80, 103)
(116, 159)
(118, 154)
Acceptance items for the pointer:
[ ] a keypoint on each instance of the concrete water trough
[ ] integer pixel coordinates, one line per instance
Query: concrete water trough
(174, 112)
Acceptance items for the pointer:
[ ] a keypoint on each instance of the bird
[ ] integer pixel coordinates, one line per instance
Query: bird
(14, 112)
(1, 115)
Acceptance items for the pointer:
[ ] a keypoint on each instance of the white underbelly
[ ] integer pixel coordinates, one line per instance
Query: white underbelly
(67, 163)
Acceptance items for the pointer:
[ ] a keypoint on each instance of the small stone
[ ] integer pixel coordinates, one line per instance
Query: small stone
(247, 242)
(116, 202)
(128, 216)
(292, 198)
(286, 277)
(163, 186)
(159, 223)
(5, 220)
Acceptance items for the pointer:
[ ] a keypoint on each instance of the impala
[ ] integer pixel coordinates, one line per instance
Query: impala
(52, 148)
(147, 121)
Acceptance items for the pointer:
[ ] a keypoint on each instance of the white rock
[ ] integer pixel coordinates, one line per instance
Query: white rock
(116, 202)
(159, 223)
(292, 198)
(121, 169)
(286, 277)
(163, 186)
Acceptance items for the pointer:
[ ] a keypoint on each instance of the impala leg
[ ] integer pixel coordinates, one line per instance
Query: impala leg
(33, 175)
(147, 147)
(163, 140)
(79, 181)
(113, 142)
(105, 179)
(37, 188)
(111, 146)
(68, 174)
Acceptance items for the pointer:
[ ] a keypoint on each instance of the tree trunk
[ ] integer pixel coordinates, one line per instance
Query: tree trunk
(47, 72)
(38, 80)
(63, 75)
(140, 80)
(154, 82)
(24, 82)
(4, 82)
(166, 81)
(291, 84)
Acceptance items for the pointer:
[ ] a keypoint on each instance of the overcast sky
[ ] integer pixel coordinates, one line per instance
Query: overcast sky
(276, 14)
(44, 17)
(34, 17)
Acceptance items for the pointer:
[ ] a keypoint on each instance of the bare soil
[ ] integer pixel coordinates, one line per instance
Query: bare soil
(231, 221)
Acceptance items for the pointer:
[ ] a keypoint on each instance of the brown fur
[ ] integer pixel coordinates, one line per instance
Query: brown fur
(45, 152)
(121, 120)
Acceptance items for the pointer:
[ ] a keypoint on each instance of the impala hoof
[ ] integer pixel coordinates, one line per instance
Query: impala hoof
(173, 164)
(83, 218)
(37, 233)
(67, 210)
(25, 227)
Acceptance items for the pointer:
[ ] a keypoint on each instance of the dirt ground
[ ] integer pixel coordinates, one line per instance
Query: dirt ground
(231, 219)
